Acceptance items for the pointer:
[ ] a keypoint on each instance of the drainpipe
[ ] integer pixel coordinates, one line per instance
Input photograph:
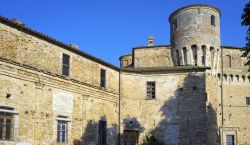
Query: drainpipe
(222, 75)
(222, 109)
(119, 110)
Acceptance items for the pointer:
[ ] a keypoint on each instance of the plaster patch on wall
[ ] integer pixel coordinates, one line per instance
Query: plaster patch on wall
(62, 101)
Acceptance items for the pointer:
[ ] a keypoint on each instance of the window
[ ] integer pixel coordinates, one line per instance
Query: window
(150, 90)
(62, 129)
(243, 78)
(103, 78)
(212, 56)
(247, 100)
(175, 25)
(184, 51)
(203, 58)
(238, 78)
(230, 140)
(65, 65)
(194, 51)
(228, 61)
(102, 128)
(6, 126)
(212, 20)
(231, 77)
(177, 58)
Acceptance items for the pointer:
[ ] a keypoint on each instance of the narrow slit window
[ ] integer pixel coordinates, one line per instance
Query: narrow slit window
(175, 25)
(150, 90)
(203, 57)
(65, 65)
(194, 51)
(177, 58)
(212, 20)
(103, 78)
(184, 51)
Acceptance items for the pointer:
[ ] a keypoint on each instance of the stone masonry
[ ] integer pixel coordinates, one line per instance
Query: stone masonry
(191, 92)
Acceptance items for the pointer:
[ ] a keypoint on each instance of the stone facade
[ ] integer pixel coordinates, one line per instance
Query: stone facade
(193, 91)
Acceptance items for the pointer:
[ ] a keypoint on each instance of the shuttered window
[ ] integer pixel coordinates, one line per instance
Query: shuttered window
(230, 139)
(6, 126)
(65, 65)
(103, 78)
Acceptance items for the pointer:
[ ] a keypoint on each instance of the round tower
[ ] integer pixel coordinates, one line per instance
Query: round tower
(195, 36)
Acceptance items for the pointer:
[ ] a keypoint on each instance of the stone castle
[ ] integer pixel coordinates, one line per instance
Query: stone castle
(192, 92)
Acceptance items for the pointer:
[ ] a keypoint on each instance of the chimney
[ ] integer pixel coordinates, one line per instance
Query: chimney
(18, 22)
(74, 46)
(151, 41)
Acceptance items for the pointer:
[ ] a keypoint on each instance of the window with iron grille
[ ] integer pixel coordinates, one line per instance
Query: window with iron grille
(62, 131)
(102, 128)
(6, 126)
(247, 100)
(230, 140)
(150, 90)
(65, 65)
(103, 78)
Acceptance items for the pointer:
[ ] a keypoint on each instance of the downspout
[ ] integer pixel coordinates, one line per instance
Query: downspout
(222, 75)
(119, 110)
(222, 109)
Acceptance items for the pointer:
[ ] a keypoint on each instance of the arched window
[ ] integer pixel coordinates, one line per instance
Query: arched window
(177, 58)
(243, 78)
(212, 20)
(225, 77)
(238, 78)
(228, 62)
(212, 51)
(184, 51)
(194, 51)
(218, 76)
(231, 77)
(203, 57)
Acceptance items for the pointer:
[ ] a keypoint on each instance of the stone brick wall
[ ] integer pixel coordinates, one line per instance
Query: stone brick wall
(176, 116)
(157, 56)
(39, 99)
(29, 50)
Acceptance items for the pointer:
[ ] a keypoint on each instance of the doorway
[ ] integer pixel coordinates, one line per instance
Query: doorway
(130, 137)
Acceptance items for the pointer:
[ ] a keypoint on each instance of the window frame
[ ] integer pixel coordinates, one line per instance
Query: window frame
(150, 92)
(62, 121)
(103, 83)
(3, 127)
(232, 142)
(212, 18)
(247, 100)
(65, 66)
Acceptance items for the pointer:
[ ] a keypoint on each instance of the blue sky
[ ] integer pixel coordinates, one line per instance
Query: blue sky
(108, 29)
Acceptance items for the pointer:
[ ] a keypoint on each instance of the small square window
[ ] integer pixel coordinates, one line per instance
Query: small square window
(247, 100)
(150, 90)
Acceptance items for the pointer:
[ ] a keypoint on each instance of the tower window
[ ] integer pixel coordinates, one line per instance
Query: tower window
(203, 58)
(177, 58)
(184, 51)
(65, 65)
(103, 78)
(228, 61)
(150, 90)
(194, 51)
(212, 20)
(175, 25)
